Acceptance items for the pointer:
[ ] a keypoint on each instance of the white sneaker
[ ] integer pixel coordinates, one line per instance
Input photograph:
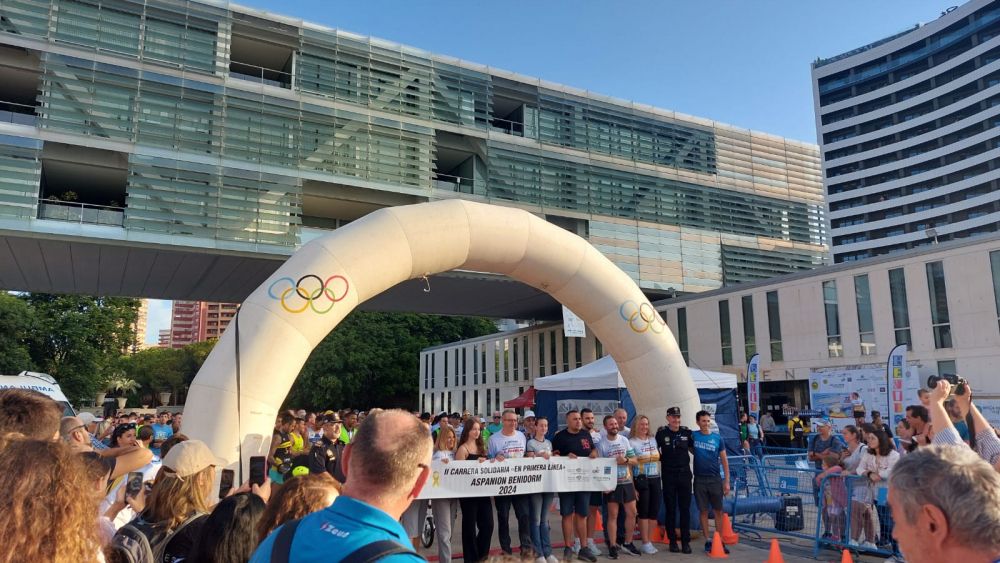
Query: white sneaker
(593, 548)
(540, 560)
(576, 546)
(868, 545)
(648, 549)
(551, 559)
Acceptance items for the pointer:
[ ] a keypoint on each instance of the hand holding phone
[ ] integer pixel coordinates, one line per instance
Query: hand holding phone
(133, 486)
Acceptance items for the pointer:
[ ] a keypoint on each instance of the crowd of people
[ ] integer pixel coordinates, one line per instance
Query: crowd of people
(342, 485)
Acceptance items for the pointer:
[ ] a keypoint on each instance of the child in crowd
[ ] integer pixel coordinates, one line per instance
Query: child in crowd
(834, 494)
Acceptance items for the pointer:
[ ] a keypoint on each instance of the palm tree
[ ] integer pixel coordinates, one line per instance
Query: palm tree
(121, 384)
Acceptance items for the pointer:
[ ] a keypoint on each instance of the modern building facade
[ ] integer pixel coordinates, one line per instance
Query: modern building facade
(198, 321)
(942, 301)
(908, 128)
(207, 127)
(163, 340)
(141, 322)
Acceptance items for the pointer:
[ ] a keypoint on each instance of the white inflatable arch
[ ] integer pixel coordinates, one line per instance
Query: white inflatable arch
(287, 316)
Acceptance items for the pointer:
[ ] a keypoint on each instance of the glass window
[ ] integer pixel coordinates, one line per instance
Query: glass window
(449, 408)
(475, 364)
(947, 366)
(489, 400)
(726, 337)
(524, 357)
(565, 353)
(940, 321)
(541, 354)
(433, 368)
(900, 311)
(552, 353)
(866, 326)
(774, 326)
(445, 354)
(464, 365)
(995, 268)
(682, 333)
(833, 343)
(475, 400)
(749, 338)
(514, 357)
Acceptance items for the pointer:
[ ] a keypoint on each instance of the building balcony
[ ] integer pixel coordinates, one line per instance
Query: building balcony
(18, 114)
(453, 183)
(253, 73)
(81, 213)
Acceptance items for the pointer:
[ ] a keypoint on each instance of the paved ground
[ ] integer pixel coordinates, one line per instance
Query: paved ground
(749, 550)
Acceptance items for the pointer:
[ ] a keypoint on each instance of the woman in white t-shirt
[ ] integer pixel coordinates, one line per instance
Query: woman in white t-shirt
(876, 464)
(539, 503)
(444, 509)
(647, 480)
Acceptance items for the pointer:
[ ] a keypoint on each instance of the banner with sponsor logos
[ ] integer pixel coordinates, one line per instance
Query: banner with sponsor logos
(753, 386)
(835, 392)
(894, 368)
(458, 479)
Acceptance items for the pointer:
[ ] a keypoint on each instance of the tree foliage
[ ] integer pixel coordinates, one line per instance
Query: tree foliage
(16, 320)
(77, 339)
(372, 359)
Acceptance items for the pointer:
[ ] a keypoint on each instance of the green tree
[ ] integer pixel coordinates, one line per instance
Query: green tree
(372, 359)
(16, 319)
(79, 340)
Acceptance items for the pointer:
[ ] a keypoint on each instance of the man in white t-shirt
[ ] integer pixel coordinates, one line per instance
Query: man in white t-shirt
(618, 447)
(510, 442)
(621, 415)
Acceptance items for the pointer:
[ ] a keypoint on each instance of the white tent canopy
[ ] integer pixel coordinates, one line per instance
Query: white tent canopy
(603, 374)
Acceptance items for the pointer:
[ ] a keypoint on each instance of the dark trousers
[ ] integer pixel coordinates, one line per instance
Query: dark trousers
(677, 495)
(522, 511)
(477, 528)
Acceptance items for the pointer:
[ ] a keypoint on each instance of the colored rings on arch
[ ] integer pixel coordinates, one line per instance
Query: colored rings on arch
(641, 317)
(304, 294)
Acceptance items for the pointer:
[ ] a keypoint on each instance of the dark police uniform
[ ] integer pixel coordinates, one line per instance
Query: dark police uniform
(325, 456)
(675, 464)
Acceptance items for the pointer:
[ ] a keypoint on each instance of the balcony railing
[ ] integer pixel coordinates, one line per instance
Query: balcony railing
(18, 114)
(453, 183)
(254, 73)
(81, 212)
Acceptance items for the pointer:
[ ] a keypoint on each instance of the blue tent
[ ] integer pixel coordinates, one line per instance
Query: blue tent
(599, 387)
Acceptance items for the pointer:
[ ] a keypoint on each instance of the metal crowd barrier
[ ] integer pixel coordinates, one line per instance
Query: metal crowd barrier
(774, 495)
(854, 515)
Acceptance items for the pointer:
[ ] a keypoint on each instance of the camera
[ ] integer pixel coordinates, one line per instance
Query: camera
(960, 384)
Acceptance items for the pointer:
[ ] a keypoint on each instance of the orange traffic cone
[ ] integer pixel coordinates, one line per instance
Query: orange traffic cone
(846, 557)
(718, 551)
(657, 535)
(775, 555)
(599, 527)
(729, 537)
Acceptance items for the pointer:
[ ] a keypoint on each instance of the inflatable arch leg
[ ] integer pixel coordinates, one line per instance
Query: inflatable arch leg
(286, 317)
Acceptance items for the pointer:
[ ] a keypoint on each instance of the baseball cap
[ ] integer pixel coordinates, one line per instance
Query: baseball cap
(822, 422)
(331, 419)
(529, 414)
(89, 418)
(674, 411)
(189, 457)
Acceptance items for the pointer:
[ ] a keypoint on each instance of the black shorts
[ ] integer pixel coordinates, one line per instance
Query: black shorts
(708, 492)
(649, 500)
(596, 498)
(575, 502)
(624, 492)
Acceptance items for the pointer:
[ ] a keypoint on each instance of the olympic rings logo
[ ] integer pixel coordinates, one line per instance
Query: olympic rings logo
(641, 318)
(297, 296)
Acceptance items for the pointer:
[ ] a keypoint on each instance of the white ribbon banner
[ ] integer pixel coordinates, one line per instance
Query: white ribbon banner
(458, 479)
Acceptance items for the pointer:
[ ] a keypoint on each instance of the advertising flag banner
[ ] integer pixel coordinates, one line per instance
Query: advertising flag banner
(895, 367)
(753, 385)
(458, 479)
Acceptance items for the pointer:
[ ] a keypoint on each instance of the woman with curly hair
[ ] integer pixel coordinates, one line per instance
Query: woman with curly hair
(295, 498)
(48, 512)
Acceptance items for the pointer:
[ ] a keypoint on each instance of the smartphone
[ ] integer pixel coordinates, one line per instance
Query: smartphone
(225, 482)
(258, 469)
(133, 486)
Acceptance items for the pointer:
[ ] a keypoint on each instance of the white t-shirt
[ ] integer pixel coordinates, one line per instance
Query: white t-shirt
(648, 454)
(507, 446)
(149, 472)
(627, 432)
(443, 454)
(620, 446)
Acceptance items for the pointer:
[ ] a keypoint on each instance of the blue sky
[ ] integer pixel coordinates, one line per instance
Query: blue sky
(742, 62)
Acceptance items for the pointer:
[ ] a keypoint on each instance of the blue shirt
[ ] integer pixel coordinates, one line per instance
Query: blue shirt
(161, 433)
(819, 445)
(707, 454)
(331, 534)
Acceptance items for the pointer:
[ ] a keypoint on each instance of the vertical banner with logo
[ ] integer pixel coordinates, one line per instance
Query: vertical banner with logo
(894, 370)
(753, 386)
(573, 326)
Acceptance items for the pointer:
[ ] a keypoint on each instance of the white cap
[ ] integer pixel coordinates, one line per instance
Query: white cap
(529, 414)
(88, 418)
(189, 457)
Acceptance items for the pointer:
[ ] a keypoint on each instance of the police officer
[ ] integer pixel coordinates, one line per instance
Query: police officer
(325, 456)
(676, 443)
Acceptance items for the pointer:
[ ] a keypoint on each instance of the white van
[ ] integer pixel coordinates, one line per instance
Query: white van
(41, 382)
